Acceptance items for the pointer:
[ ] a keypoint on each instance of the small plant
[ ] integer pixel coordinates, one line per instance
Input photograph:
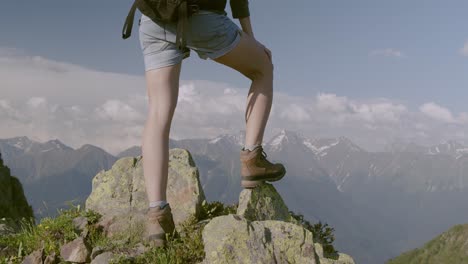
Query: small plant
(185, 247)
(214, 209)
(50, 233)
(323, 234)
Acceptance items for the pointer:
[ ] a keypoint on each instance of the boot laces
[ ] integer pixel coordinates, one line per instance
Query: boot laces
(264, 155)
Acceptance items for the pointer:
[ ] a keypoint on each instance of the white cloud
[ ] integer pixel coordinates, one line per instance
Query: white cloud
(115, 110)
(332, 103)
(389, 52)
(437, 112)
(295, 113)
(344, 108)
(36, 102)
(464, 50)
(79, 106)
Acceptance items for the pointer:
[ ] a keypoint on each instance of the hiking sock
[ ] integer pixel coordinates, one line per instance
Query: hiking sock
(250, 147)
(161, 204)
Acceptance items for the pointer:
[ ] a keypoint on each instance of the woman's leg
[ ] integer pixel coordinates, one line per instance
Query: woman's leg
(162, 90)
(251, 60)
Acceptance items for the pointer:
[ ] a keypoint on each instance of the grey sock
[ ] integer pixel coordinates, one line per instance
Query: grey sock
(158, 203)
(251, 147)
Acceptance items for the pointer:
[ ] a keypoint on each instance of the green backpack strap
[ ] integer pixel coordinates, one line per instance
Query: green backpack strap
(182, 24)
(127, 28)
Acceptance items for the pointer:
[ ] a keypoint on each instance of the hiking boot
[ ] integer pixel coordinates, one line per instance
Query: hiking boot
(159, 222)
(256, 169)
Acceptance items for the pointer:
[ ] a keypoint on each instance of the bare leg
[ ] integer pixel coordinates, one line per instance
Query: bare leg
(251, 60)
(163, 91)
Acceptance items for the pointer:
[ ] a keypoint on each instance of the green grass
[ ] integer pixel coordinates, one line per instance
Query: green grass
(50, 233)
(186, 247)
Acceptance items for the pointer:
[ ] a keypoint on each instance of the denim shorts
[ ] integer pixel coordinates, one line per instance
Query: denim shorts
(210, 34)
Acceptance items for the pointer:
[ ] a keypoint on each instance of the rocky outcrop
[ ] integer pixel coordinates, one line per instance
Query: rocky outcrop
(119, 194)
(263, 203)
(13, 203)
(261, 231)
(234, 239)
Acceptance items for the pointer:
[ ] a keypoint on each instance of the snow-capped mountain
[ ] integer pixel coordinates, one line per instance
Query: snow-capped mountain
(326, 146)
(26, 145)
(450, 147)
(22, 143)
(52, 172)
(328, 179)
(236, 139)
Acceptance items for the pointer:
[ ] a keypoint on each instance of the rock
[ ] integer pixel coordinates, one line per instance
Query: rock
(234, 239)
(341, 259)
(51, 259)
(80, 223)
(263, 203)
(75, 251)
(35, 257)
(103, 258)
(138, 250)
(119, 194)
(96, 251)
(130, 254)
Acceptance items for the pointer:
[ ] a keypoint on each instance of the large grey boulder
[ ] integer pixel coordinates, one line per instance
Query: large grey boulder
(119, 194)
(234, 239)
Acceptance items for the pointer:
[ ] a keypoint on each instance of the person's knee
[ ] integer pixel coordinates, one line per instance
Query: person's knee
(264, 70)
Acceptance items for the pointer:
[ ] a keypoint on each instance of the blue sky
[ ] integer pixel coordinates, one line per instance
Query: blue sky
(400, 62)
(318, 46)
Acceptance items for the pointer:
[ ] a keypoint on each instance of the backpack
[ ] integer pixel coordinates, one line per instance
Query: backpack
(165, 10)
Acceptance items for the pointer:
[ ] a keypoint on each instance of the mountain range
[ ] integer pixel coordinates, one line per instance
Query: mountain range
(379, 203)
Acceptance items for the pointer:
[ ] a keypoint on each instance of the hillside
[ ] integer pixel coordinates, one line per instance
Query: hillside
(448, 248)
(13, 203)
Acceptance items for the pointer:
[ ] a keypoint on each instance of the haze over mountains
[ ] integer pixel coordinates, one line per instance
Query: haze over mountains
(380, 203)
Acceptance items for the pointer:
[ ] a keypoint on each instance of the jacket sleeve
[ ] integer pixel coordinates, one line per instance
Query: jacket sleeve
(239, 8)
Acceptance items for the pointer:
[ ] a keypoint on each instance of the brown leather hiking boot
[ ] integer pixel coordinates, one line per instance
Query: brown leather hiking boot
(256, 169)
(159, 222)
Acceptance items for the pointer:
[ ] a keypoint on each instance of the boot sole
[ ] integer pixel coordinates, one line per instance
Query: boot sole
(247, 184)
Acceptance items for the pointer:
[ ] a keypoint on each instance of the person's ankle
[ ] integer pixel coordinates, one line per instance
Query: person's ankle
(161, 204)
(251, 147)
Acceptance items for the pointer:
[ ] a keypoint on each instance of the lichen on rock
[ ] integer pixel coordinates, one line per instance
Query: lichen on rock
(263, 203)
(119, 194)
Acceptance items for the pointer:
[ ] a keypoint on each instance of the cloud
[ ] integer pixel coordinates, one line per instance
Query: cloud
(389, 52)
(332, 103)
(36, 102)
(443, 114)
(295, 113)
(464, 50)
(79, 106)
(115, 110)
(344, 108)
(437, 112)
